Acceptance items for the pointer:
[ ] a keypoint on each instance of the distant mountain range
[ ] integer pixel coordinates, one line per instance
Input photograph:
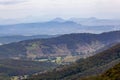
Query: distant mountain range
(61, 26)
(51, 28)
(93, 21)
(80, 44)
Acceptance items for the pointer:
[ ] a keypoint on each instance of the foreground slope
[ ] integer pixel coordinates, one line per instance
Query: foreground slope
(75, 70)
(111, 74)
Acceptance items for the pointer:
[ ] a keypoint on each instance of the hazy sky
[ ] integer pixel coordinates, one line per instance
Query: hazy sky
(48, 9)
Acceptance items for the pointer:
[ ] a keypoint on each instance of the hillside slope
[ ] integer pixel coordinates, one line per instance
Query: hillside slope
(74, 70)
(83, 44)
(111, 74)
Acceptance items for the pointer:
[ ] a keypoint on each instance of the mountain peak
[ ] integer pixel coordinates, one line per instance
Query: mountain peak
(58, 19)
(93, 18)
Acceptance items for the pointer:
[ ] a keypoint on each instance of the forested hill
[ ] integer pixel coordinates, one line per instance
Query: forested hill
(96, 64)
(83, 44)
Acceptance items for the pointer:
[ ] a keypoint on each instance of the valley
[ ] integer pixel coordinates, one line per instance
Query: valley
(59, 39)
(16, 69)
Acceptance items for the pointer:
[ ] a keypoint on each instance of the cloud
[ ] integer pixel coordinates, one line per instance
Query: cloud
(11, 2)
(48, 9)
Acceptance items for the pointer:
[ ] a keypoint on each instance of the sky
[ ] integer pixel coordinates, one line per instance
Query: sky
(49, 9)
